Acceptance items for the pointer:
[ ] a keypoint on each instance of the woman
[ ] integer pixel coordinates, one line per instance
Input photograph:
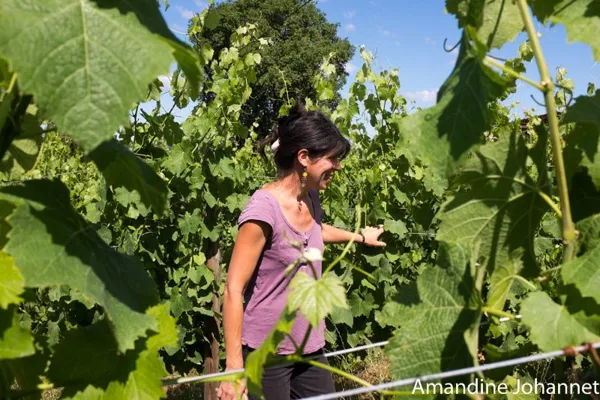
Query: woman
(307, 151)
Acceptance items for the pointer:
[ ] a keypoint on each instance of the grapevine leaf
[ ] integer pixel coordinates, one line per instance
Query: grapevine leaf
(552, 326)
(583, 143)
(255, 363)
(26, 371)
(584, 271)
(122, 168)
(584, 309)
(396, 227)
(178, 159)
(439, 320)
(316, 298)
(497, 21)
(503, 209)
(24, 149)
(190, 223)
(504, 280)
(584, 197)
(135, 374)
(542, 9)
(581, 19)
(12, 284)
(15, 342)
(362, 304)
(441, 135)
(88, 61)
(47, 232)
(342, 316)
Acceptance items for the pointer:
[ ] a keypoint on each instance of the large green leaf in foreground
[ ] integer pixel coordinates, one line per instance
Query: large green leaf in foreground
(439, 319)
(507, 279)
(581, 19)
(24, 149)
(15, 342)
(583, 143)
(584, 271)
(88, 61)
(122, 168)
(441, 135)
(52, 245)
(497, 21)
(503, 208)
(134, 375)
(11, 285)
(552, 326)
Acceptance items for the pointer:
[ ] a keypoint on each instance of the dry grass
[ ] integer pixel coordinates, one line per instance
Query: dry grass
(374, 368)
(185, 391)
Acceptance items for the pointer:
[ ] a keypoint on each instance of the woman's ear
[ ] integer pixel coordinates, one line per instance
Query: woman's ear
(303, 157)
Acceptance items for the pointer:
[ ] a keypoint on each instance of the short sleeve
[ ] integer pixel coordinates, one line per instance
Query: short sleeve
(258, 208)
(319, 214)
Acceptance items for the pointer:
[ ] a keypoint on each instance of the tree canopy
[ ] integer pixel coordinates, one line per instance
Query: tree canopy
(302, 37)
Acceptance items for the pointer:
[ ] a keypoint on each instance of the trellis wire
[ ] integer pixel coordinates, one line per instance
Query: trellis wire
(236, 371)
(326, 355)
(450, 374)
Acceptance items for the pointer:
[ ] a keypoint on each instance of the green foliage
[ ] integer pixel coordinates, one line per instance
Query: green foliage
(440, 317)
(81, 62)
(122, 169)
(584, 271)
(552, 325)
(503, 198)
(497, 21)
(47, 231)
(583, 147)
(300, 38)
(12, 284)
(316, 298)
(441, 135)
(106, 244)
(580, 18)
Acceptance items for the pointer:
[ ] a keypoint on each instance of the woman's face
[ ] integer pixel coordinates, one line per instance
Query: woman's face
(321, 172)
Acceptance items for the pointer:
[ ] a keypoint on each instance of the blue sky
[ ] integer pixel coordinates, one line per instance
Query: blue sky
(409, 35)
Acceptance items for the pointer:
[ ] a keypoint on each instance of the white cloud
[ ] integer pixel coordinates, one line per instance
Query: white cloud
(429, 41)
(349, 14)
(350, 68)
(425, 96)
(185, 13)
(386, 33)
(350, 27)
(201, 4)
(166, 81)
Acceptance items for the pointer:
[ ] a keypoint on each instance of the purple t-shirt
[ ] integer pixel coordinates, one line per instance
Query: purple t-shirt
(266, 293)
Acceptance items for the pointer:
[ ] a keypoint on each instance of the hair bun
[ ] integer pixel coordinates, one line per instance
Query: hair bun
(297, 110)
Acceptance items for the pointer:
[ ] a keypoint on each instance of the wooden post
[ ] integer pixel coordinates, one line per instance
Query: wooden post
(212, 349)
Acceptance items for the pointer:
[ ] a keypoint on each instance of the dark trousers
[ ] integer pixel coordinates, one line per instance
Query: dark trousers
(294, 380)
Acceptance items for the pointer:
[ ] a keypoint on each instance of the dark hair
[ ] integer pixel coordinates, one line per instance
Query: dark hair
(310, 130)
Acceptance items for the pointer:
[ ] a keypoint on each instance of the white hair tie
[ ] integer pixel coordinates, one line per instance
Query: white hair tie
(275, 146)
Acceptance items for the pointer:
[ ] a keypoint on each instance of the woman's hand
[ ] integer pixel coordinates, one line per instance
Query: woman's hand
(231, 390)
(371, 235)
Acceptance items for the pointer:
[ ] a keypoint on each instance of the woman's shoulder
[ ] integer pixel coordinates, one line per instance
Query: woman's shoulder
(261, 202)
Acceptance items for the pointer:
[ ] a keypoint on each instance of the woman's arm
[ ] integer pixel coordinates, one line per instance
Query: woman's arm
(331, 234)
(249, 243)
(248, 246)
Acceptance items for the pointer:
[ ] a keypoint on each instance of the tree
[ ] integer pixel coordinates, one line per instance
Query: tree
(301, 37)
